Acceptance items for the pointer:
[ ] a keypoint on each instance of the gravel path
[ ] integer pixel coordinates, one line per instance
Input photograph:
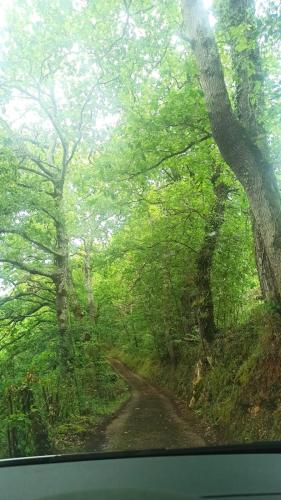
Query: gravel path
(150, 419)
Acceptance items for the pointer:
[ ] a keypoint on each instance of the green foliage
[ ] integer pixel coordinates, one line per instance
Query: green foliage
(107, 191)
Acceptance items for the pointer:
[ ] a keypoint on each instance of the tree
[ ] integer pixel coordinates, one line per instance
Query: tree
(214, 221)
(240, 29)
(61, 99)
(237, 147)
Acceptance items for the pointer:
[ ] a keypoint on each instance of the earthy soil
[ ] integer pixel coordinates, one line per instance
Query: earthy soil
(150, 419)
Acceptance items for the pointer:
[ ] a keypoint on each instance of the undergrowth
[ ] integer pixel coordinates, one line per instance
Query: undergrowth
(104, 391)
(240, 395)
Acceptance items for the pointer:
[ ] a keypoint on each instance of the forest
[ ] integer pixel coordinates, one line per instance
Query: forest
(140, 214)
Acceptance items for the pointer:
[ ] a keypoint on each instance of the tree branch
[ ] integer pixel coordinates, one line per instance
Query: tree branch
(40, 164)
(171, 155)
(25, 236)
(27, 186)
(22, 317)
(50, 116)
(27, 169)
(30, 270)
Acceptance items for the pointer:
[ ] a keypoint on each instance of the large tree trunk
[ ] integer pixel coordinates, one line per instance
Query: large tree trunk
(238, 16)
(236, 146)
(205, 315)
(62, 278)
(237, 21)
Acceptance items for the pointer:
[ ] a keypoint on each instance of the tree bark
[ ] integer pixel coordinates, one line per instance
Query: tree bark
(239, 16)
(235, 144)
(61, 280)
(237, 20)
(204, 301)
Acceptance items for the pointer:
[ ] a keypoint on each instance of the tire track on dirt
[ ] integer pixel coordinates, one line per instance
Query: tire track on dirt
(148, 420)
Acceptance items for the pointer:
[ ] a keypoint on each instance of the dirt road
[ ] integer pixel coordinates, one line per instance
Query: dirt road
(150, 419)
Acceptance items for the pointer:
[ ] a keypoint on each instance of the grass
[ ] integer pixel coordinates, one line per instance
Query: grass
(104, 393)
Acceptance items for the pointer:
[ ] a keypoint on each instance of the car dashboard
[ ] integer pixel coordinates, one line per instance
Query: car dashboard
(157, 475)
